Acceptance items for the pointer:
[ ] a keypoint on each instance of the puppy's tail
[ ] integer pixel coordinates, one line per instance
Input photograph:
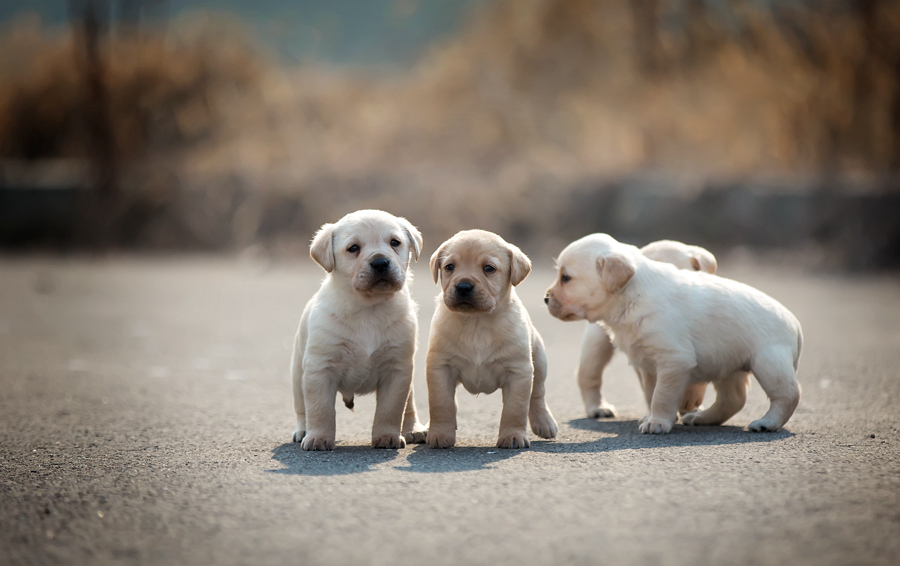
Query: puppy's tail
(348, 401)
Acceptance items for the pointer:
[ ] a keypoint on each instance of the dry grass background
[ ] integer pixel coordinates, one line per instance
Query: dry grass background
(507, 125)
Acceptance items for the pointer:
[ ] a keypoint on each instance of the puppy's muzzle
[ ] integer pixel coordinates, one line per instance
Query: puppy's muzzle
(464, 290)
(380, 265)
(552, 305)
(382, 275)
(465, 297)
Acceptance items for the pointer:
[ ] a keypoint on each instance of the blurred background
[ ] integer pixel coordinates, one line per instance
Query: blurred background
(171, 125)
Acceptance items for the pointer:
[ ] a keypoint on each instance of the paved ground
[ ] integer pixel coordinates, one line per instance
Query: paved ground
(145, 418)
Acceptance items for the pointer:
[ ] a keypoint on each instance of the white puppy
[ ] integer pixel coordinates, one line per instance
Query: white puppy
(482, 337)
(681, 328)
(358, 333)
(597, 348)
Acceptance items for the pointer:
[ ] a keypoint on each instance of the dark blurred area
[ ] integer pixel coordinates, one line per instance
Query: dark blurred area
(161, 125)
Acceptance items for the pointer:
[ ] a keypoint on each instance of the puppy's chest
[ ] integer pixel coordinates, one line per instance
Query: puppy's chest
(368, 351)
(640, 354)
(360, 355)
(484, 366)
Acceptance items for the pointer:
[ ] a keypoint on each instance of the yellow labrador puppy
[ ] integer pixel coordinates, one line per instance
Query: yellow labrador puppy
(681, 328)
(482, 337)
(597, 348)
(357, 334)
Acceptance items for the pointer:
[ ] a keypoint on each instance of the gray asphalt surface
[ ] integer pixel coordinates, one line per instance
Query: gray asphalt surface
(145, 418)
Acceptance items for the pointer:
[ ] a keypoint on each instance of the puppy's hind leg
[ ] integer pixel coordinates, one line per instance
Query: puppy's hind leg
(542, 422)
(413, 431)
(731, 395)
(596, 351)
(774, 369)
(693, 398)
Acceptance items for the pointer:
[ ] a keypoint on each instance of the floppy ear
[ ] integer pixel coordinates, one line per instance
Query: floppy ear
(519, 265)
(322, 247)
(415, 238)
(701, 261)
(436, 263)
(615, 271)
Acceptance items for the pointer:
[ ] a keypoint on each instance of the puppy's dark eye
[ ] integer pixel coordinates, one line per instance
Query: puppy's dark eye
(395, 243)
(489, 269)
(449, 267)
(353, 249)
(565, 278)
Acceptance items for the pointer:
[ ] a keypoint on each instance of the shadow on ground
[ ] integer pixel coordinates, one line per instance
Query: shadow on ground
(618, 435)
(343, 460)
(426, 460)
(625, 436)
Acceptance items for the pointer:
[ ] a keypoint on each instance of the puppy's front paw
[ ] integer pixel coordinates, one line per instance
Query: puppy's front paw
(763, 425)
(643, 419)
(691, 419)
(692, 400)
(437, 438)
(417, 435)
(655, 425)
(605, 411)
(514, 440)
(394, 441)
(699, 409)
(298, 435)
(313, 442)
(543, 425)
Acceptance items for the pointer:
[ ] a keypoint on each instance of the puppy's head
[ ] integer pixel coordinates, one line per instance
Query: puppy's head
(682, 256)
(477, 269)
(369, 250)
(589, 272)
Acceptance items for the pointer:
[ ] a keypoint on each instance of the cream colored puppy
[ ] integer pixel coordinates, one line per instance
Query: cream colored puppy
(358, 333)
(482, 337)
(597, 348)
(681, 328)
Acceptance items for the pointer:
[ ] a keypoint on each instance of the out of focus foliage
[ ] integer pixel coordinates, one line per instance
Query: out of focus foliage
(500, 126)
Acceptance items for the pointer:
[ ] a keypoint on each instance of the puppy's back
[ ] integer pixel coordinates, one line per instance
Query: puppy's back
(717, 310)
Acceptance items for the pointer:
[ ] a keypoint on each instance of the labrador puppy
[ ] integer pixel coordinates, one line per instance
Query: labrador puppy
(482, 337)
(679, 329)
(358, 333)
(597, 348)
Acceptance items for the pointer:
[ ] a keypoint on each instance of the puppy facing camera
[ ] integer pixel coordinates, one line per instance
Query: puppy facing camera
(357, 334)
(597, 348)
(482, 337)
(679, 329)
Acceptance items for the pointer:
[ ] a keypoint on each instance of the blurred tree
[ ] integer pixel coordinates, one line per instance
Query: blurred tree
(647, 42)
(90, 21)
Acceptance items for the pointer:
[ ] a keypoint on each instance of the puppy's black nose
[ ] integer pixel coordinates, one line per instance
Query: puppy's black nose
(380, 265)
(464, 289)
(546, 299)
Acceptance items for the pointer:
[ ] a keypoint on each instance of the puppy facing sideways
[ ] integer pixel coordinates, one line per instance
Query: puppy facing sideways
(679, 328)
(482, 337)
(357, 334)
(597, 348)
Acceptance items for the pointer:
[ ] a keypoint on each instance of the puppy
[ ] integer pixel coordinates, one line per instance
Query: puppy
(357, 334)
(482, 337)
(682, 256)
(597, 348)
(680, 328)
